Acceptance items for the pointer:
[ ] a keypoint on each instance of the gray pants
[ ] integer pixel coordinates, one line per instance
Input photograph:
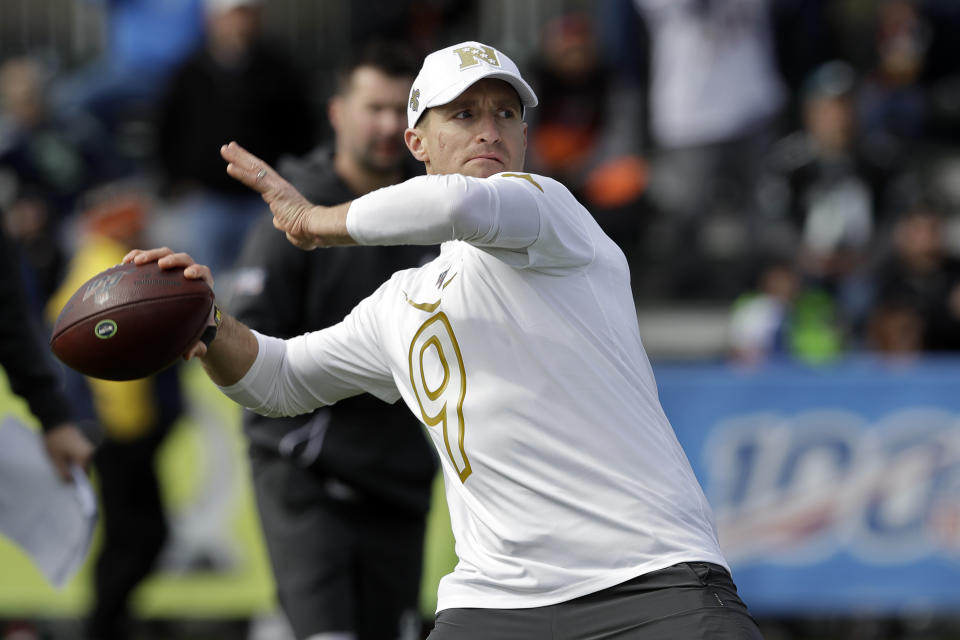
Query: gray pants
(688, 601)
(343, 569)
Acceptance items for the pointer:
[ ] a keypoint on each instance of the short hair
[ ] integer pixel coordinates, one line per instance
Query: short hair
(391, 58)
(834, 79)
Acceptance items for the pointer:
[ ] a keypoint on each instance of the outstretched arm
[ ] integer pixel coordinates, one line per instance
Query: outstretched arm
(500, 212)
(307, 226)
(426, 210)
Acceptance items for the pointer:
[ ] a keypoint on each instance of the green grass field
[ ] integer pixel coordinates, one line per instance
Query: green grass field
(216, 566)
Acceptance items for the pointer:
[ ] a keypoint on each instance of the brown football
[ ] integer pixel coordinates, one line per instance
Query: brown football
(131, 321)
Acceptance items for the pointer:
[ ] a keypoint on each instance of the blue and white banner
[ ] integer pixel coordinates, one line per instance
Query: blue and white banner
(834, 489)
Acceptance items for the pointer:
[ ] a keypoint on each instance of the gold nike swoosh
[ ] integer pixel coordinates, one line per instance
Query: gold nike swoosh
(429, 307)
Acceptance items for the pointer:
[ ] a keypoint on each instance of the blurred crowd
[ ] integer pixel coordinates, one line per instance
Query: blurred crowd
(793, 159)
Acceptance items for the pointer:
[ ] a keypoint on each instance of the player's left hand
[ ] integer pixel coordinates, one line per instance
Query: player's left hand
(66, 445)
(291, 211)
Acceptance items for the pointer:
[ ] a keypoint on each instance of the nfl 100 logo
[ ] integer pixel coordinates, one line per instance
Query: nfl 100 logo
(797, 489)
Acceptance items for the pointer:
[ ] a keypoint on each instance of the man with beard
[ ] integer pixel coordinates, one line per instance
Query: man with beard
(343, 491)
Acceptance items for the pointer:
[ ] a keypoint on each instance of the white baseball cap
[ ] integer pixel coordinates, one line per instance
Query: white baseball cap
(449, 72)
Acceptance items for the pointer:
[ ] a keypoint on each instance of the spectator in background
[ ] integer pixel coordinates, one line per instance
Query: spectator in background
(135, 417)
(892, 103)
(828, 188)
(941, 73)
(758, 319)
(233, 87)
(918, 284)
(46, 160)
(27, 366)
(781, 318)
(802, 40)
(30, 374)
(894, 328)
(145, 39)
(587, 134)
(423, 25)
(714, 96)
(343, 492)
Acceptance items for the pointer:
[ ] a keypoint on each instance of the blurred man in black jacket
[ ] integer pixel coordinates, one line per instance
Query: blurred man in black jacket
(918, 284)
(30, 374)
(234, 86)
(342, 492)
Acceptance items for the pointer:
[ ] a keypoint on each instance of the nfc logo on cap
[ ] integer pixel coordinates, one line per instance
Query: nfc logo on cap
(472, 56)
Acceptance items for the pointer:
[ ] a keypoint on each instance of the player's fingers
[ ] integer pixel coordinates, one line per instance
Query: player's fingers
(245, 176)
(262, 178)
(297, 242)
(196, 351)
(175, 260)
(149, 255)
(135, 253)
(246, 167)
(282, 224)
(199, 272)
(235, 154)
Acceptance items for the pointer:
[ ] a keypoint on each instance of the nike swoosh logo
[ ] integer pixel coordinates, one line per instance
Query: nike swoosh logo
(429, 307)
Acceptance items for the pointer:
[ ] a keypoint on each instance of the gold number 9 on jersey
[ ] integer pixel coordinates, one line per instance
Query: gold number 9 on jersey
(440, 384)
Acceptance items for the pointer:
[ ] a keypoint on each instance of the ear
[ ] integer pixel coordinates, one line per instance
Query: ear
(335, 111)
(523, 148)
(414, 139)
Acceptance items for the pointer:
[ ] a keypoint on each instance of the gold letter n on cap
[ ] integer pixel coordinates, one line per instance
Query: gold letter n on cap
(472, 56)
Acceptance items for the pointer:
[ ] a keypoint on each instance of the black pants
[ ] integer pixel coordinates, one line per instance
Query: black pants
(134, 531)
(688, 601)
(340, 565)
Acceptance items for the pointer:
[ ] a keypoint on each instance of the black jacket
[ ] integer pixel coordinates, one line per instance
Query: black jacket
(376, 449)
(22, 353)
(263, 104)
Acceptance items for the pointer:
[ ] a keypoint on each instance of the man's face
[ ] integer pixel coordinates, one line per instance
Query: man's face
(830, 121)
(478, 134)
(369, 119)
(235, 30)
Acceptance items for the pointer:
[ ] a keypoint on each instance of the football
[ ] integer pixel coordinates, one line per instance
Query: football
(131, 321)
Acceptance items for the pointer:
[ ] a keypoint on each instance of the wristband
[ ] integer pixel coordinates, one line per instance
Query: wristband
(210, 332)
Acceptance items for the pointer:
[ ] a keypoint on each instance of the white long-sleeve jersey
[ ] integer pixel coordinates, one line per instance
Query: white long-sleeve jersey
(519, 350)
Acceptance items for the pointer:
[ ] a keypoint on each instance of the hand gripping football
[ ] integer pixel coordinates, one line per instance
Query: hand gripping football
(131, 321)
